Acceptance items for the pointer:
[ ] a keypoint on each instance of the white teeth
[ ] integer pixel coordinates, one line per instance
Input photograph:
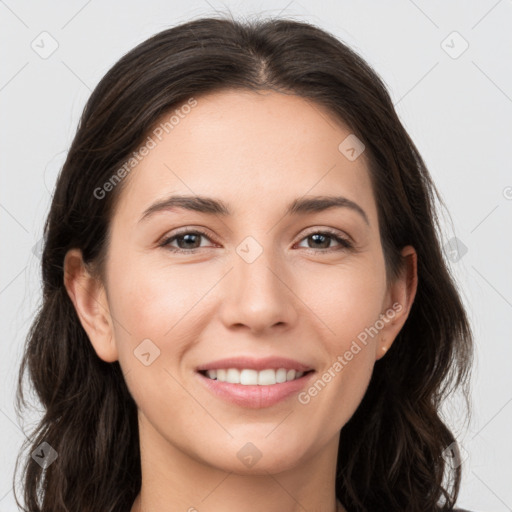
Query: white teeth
(281, 375)
(232, 375)
(249, 377)
(266, 377)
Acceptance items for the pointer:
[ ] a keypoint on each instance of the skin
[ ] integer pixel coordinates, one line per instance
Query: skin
(256, 152)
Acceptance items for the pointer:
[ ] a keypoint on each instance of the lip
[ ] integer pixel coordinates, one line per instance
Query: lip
(251, 363)
(255, 397)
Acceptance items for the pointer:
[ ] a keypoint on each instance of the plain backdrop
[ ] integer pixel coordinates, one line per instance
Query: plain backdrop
(448, 67)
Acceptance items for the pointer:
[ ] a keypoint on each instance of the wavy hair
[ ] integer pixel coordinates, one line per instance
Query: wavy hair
(391, 453)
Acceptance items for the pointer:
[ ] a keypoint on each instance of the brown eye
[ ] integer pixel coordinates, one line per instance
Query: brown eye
(323, 239)
(187, 241)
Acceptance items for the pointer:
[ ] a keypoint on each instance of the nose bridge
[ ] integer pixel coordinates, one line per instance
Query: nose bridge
(257, 294)
(256, 267)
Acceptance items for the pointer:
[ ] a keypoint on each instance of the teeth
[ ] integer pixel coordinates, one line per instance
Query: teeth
(249, 377)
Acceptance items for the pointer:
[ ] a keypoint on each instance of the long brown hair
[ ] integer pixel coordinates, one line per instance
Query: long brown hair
(391, 454)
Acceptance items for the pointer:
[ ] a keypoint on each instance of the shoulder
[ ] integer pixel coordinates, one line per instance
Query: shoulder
(461, 510)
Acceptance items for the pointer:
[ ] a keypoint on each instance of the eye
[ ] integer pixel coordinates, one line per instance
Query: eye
(322, 239)
(187, 241)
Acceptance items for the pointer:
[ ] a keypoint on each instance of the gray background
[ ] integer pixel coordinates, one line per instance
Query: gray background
(456, 105)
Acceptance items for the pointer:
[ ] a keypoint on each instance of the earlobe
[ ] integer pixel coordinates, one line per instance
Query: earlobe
(400, 298)
(90, 301)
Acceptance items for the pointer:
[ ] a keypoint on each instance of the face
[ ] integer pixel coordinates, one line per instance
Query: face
(186, 288)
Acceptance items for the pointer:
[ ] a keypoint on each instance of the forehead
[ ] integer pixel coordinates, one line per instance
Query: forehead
(253, 150)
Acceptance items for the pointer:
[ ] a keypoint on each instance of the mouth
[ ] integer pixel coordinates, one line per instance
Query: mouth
(251, 377)
(246, 381)
(254, 383)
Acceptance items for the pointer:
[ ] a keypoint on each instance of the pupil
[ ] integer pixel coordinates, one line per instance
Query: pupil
(186, 238)
(315, 237)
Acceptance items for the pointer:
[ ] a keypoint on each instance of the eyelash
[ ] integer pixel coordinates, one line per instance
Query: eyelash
(345, 244)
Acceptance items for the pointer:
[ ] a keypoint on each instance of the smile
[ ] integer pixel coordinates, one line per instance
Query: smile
(254, 396)
(249, 377)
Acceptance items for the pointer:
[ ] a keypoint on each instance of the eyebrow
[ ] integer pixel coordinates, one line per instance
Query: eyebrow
(211, 206)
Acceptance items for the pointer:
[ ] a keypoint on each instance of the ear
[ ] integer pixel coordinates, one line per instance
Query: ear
(90, 300)
(398, 302)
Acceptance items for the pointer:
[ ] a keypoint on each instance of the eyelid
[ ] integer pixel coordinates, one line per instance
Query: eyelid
(345, 241)
(184, 231)
(331, 231)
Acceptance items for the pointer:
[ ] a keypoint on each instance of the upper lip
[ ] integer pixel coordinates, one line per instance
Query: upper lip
(251, 363)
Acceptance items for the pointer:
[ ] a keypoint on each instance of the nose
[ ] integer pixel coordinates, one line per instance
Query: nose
(259, 295)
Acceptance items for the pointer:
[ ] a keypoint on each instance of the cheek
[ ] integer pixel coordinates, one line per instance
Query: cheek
(353, 383)
(347, 298)
(153, 300)
(155, 321)
(336, 393)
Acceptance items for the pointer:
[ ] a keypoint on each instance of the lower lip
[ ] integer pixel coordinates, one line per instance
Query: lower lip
(255, 397)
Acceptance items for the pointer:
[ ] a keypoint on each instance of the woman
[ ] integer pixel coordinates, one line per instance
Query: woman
(296, 354)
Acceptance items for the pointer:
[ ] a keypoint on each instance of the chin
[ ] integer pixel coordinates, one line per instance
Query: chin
(251, 458)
